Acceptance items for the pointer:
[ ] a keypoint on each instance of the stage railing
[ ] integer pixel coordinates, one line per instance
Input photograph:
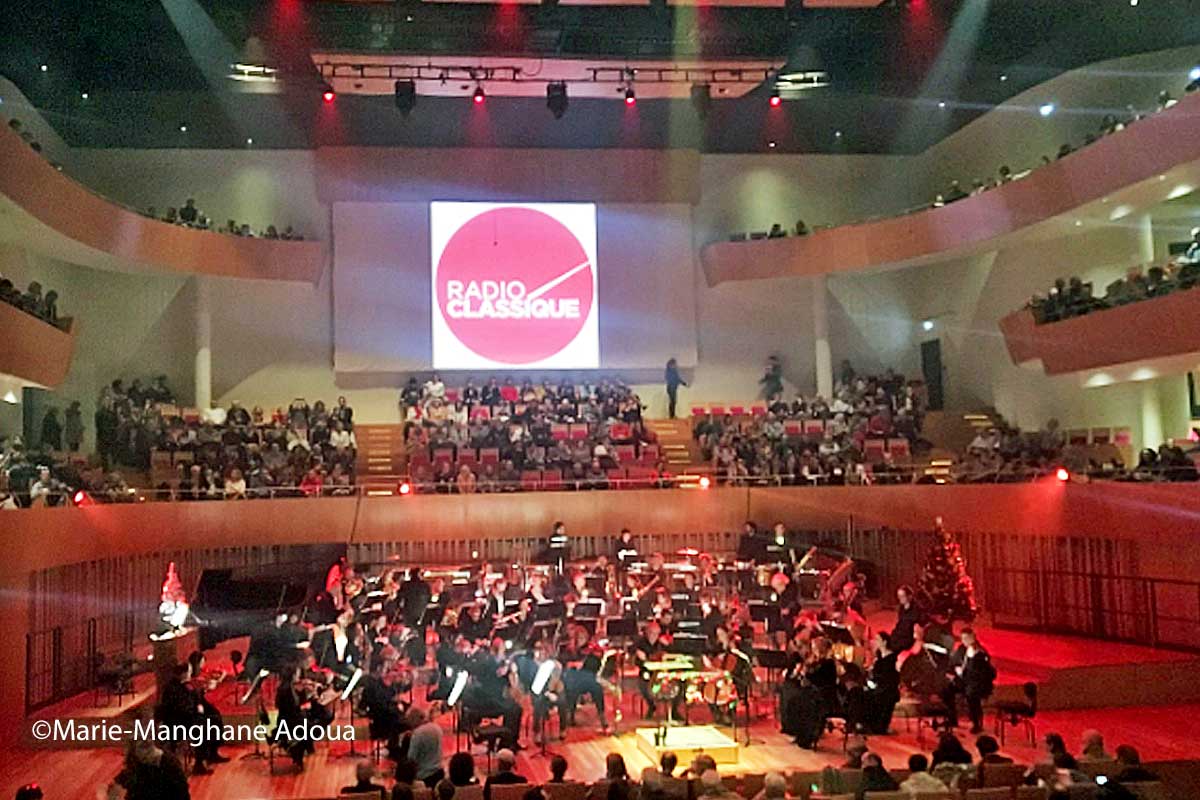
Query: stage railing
(1158, 612)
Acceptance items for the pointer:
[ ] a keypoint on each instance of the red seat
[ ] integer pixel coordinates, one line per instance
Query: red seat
(793, 428)
(468, 456)
(443, 454)
(489, 455)
(898, 446)
(559, 431)
(620, 431)
(531, 479)
(650, 454)
(551, 479)
(625, 453)
(616, 478)
(737, 411)
(758, 410)
(579, 430)
(698, 411)
(873, 450)
(453, 395)
(718, 411)
(814, 428)
(481, 412)
(419, 458)
(641, 477)
(509, 394)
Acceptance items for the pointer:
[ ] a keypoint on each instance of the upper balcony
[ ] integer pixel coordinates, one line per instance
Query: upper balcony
(1124, 167)
(34, 351)
(45, 210)
(1142, 335)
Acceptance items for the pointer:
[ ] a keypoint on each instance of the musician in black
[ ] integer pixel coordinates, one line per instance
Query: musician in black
(883, 687)
(497, 599)
(625, 550)
(581, 677)
(178, 706)
(908, 617)
(337, 647)
(548, 692)
(489, 693)
(296, 700)
(973, 676)
(273, 645)
(380, 701)
(800, 701)
(473, 624)
(726, 654)
(651, 646)
(199, 682)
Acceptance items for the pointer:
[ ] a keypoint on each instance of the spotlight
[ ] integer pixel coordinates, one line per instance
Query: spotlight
(771, 144)
(404, 488)
(478, 96)
(701, 98)
(83, 96)
(775, 100)
(556, 98)
(183, 128)
(1046, 109)
(82, 498)
(630, 96)
(927, 325)
(1194, 75)
(941, 104)
(1062, 475)
(328, 96)
(406, 96)
(705, 482)
(249, 141)
(45, 67)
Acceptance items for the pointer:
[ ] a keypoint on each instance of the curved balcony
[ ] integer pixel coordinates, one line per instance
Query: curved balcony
(34, 351)
(1111, 167)
(49, 212)
(1146, 331)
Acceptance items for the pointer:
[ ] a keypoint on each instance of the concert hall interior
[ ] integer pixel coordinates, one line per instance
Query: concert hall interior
(600, 399)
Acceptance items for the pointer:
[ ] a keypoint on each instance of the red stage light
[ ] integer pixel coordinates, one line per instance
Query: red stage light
(405, 488)
(1062, 474)
(478, 96)
(630, 97)
(82, 498)
(328, 96)
(775, 101)
(705, 482)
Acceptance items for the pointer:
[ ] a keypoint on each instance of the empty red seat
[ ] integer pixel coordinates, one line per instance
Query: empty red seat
(481, 412)
(468, 456)
(453, 395)
(579, 430)
(620, 431)
(559, 431)
(793, 427)
(873, 450)
(650, 454)
(758, 410)
(737, 411)
(898, 446)
(814, 427)
(531, 479)
(443, 454)
(509, 394)
(699, 411)
(616, 478)
(489, 455)
(551, 479)
(625, 453)
(717, 411)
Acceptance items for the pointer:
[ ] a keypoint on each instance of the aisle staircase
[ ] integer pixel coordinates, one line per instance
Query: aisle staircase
(380, 462)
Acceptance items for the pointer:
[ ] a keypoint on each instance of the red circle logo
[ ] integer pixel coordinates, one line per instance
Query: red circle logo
(514, 285)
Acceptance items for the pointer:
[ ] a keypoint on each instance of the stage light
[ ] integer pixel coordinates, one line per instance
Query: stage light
(941, 104)
(328, 96)
(83, 95)
(45, 67)
(771, 144)
(1194, 75)
(556, 98)
(927, 325)
(630, 96)
(10, 397)
(406, 96)
(705, 482)
(183, 128)
(775, 100)
(82, 498)
(478, 96)
(1062, 474)
(1046, 109)
(405, 488)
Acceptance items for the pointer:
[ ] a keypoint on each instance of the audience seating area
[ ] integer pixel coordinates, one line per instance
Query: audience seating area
(33, 301)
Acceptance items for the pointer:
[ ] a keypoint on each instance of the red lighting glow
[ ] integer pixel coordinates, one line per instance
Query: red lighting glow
(630, 99)
(1062, 474)
(328, 96)
(405, 488)
(82, 498)
(705, 482)
(775, 101)
(478, 96)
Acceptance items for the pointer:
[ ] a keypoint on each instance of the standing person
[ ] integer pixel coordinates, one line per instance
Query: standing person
(674, 380)
(73, 427)
(972, 676)
(51, 429)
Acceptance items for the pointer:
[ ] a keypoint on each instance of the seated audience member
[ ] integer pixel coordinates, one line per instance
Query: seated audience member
(460, 770)
(660, 783)
(364, 771)
(189, 213)
(989, 751)
(1056, 750)
(776, 232)
(30, 791)
(1092, 747)
(506, 762)
(801, 228)
(616, 776)
(712, 787)
(445, 789)
(949, 750)
(425, 745)
(919, 780)
(1129, 766)
(558, 769)
(874, 777)
(774, 787)
(465, 483)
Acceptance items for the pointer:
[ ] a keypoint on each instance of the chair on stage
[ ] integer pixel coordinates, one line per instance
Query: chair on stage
(1018, 712)
(933, 714)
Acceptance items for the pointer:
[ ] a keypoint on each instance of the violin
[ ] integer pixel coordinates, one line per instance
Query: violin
(207, 680)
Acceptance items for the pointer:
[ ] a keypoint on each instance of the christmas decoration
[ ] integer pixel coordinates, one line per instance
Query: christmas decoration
(944, 589)
(173, 606)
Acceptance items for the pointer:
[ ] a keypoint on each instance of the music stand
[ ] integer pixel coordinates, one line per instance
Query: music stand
(765, 613)
(689, 644)
(621, 628)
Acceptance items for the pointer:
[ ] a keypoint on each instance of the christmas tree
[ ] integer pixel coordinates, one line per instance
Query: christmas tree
(945, 590)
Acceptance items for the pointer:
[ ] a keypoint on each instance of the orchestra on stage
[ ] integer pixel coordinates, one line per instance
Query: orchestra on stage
(701, 636)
